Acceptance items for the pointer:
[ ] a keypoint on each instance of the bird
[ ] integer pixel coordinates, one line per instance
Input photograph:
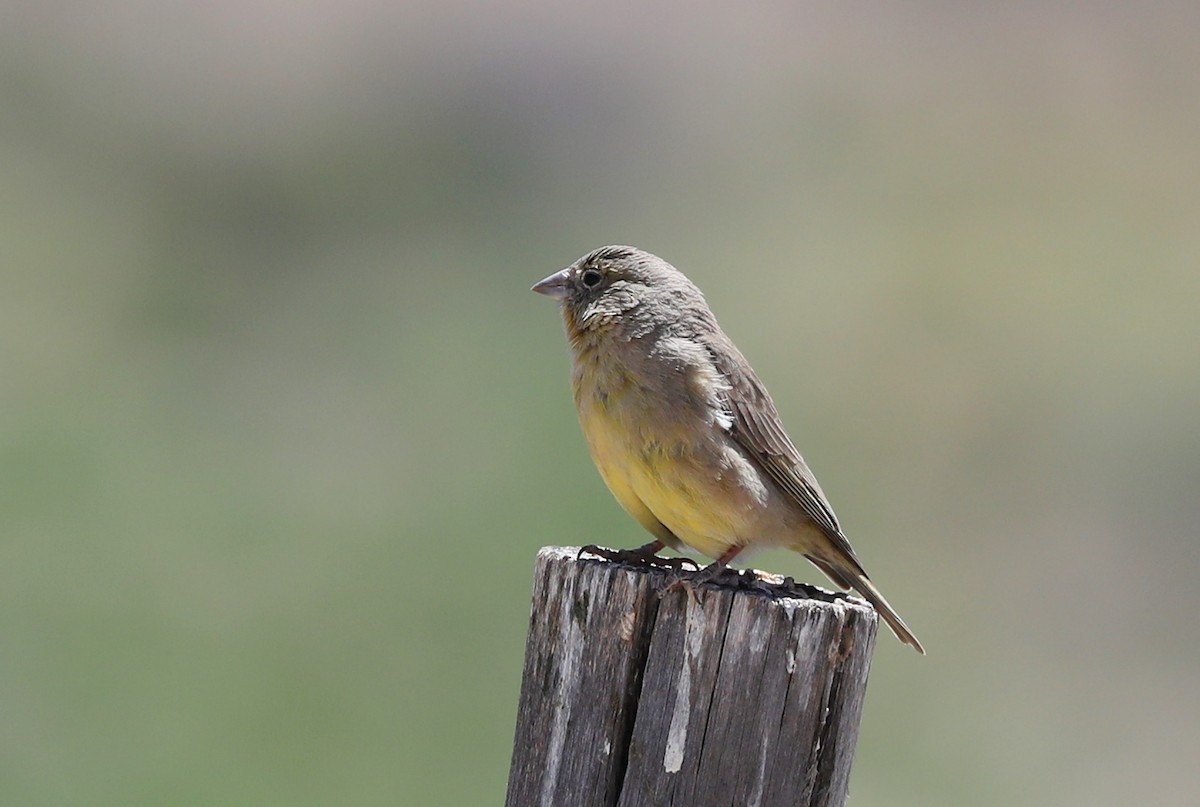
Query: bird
(681, 428)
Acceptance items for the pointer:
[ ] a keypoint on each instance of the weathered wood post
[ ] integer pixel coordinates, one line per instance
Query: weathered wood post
(728, 695)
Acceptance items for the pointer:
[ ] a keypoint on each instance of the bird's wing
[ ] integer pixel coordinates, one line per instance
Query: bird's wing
(756, 427)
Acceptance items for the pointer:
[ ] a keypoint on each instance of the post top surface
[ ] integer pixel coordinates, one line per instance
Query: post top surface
(783, 590)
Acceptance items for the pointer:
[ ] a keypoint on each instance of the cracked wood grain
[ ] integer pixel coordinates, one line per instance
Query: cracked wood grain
(701, 696)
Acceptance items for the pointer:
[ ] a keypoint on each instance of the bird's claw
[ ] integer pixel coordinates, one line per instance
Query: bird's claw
(674, 564)
(642, 556)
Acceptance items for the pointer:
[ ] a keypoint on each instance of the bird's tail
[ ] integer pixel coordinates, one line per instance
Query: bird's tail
(857, 580)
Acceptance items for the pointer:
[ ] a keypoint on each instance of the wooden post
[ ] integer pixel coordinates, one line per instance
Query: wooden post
(701, 696)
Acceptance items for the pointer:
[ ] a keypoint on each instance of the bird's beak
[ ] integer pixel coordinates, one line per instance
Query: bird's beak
(556, 286)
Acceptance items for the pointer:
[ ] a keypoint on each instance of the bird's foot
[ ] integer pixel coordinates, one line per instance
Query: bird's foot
(719, 568)
(719, 572)
(710, 573)
(645, 555)
(713, 573)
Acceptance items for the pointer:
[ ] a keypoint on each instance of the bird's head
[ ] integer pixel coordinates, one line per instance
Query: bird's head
(623, 290)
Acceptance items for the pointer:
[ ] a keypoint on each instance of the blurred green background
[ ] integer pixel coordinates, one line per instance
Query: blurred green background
(282, 428)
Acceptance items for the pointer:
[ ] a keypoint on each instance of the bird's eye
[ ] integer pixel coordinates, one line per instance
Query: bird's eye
(591, 278)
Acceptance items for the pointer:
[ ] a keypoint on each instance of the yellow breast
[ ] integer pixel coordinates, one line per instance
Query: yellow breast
(651, 462)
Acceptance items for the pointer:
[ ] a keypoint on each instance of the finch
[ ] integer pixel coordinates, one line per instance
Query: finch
(681, 428)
